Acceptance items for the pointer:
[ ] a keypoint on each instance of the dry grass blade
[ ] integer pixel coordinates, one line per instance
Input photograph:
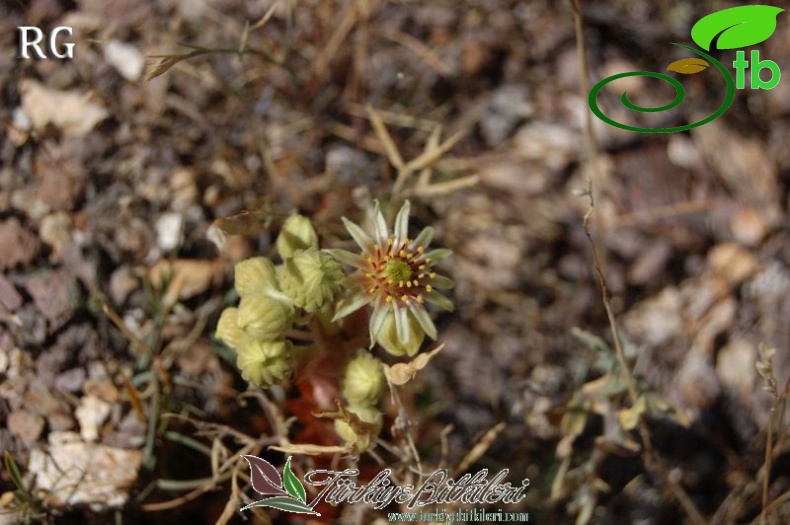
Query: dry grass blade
(312, 450)
(421, 50)
(480, 448)
(164, 64)
(138, 343)
(322, 61)
(386, 139)
(443, 188)
(266, 16)
(429, 156)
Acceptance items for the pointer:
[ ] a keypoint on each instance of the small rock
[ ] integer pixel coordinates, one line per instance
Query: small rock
(70, 111)
(518, 179)
(91, 415)
(56, 232)
(749, 227)
(123, 281)
(125, 58)
(732, 262)
(60, 187)
(10, 299)
(657, 320)
(17, 244)
(553, 144)
(735, 366)
(509, 105)
(25, 425)
(71, 380)
(103, 389)
(56, 295)
(71, 472)
(60, 421)
(168, 230)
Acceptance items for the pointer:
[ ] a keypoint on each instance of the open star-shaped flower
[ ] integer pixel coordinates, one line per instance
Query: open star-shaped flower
(395, 275)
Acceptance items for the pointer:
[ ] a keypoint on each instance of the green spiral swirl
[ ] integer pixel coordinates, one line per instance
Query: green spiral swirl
(680, 93)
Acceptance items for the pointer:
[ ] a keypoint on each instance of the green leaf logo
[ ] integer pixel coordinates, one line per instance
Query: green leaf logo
(285, 503)
(736, 27)
(292, 483)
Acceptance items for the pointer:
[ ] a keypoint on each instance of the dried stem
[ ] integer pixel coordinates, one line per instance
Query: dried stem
(650, 456)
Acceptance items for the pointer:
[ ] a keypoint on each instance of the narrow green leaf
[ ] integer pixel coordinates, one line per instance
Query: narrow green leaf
(736, 27)
(292, 483)
(285, 503)
(13, 471)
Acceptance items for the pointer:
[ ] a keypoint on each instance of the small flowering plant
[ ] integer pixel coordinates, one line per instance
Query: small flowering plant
(395, 275)
(392, 276)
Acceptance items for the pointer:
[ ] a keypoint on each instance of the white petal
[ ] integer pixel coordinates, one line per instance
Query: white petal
(422, 317)
(437, 255)
(439, 300)
(351, 303)
(346, 257)
(402, 324)
(401, 230)
(362, 239)
(376, 322)
(441, 282)
(423, 239)
(380, 226)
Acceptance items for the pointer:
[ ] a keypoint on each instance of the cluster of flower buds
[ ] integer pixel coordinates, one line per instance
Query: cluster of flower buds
(273, 298)
(362, 385)
(392, 274)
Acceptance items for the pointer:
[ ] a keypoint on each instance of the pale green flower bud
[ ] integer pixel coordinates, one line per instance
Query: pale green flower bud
(255, 276)
(264, 318)
(364, 436)
(297, 233)
(387, 337)
(363, 379)
(311, 278)
(265, 363)
(228, 330)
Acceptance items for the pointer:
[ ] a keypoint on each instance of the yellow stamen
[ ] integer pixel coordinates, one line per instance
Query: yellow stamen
(433, 275)
(421, 267)
(428, 288)
(404, 298)
(420, 249)
(427, 260)
(389, 299)
(389, 241)
(415, 282)
(408, 284)
(401, 253)
(419, 299)
(372, 289)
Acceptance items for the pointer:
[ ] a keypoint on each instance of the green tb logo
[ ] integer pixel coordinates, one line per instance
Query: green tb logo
(733, 28)
(757, 65)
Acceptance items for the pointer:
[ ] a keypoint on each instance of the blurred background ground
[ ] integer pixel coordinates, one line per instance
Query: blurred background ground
(103, 177)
